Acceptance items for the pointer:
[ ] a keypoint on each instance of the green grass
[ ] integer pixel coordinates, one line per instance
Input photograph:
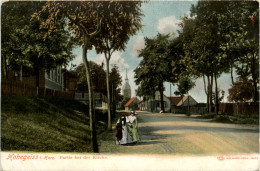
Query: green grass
(239, 119)
(236, 119)
(206, 116)
(45, 124)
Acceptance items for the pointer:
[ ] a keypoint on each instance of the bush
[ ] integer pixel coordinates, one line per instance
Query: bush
(222, 118)
(239, 119)
(207, 116)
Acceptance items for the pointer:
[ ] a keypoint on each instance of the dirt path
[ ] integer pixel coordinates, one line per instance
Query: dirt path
(180, 135)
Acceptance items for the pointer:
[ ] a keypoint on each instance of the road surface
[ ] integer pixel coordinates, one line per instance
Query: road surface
(180, 135)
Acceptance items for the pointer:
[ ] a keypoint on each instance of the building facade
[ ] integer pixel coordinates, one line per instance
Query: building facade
(54, 79)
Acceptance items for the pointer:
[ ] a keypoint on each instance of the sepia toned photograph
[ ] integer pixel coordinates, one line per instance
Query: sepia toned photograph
(129, 85)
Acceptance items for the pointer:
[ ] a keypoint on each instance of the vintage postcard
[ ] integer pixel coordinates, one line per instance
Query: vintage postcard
(129, 85)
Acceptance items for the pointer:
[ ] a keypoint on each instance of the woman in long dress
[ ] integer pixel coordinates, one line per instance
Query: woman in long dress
(121, 127)
(132, 127)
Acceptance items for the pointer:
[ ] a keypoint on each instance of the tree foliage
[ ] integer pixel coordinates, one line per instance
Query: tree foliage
(22, 39)
(83, 23)
(98, 76)
(121, 20)
(184, 86)
(241, 91)
(155, 67)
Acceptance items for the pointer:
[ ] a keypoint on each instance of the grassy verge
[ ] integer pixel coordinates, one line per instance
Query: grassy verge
(236, 119)
(240, 119)
(45, 124)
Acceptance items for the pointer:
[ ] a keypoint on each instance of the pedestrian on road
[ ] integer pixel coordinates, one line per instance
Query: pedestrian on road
(121, 128)
(132, 127)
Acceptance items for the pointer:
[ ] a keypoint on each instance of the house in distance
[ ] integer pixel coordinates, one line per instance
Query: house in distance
(132, 104)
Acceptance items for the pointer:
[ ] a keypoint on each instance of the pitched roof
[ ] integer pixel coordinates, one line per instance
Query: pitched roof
(175, 100)
(185, 98)
(130, 101)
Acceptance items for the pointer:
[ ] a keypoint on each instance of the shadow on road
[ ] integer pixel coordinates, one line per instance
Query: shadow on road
(146, 143)
(200, 128)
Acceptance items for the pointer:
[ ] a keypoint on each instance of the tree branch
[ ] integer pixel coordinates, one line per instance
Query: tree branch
(98, 28)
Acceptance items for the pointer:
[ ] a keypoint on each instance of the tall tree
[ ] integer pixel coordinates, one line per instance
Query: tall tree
(115, 81)
(84, 23)
(209, 44)
(121, 20)
(155, 66)
(22, 39)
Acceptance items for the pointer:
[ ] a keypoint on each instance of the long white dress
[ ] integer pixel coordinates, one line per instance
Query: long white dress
(125, 136)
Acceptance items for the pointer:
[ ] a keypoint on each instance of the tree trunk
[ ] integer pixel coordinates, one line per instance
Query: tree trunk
(37, 79)
(161, 95)
(21, 73)
(210, 92)
(206, 89)
(109, 124)
(5, 66)
(188, 104)
(92, 122)
(253, 62)
(170, 98)
(231, 71)
(216, 93)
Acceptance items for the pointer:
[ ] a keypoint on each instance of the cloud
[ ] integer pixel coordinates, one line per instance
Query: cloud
(168, 25)
(138, 45)
(78, 60)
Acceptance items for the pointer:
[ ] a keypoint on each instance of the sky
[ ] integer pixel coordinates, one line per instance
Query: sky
(159, 17)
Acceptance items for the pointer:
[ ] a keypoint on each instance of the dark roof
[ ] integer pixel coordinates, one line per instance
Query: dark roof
(175, 100)
(130, 101)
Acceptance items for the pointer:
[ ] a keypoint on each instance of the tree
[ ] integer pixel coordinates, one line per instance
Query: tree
(121, 20)
(241, 91)
(155, 67)
(184, 86)
(22, 39)
(115, 81)
(210, 45)
(194, 57)
(84, 23)
(247, 42)
(98, 76)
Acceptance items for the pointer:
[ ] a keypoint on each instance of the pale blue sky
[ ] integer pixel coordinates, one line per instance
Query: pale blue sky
(159, 16)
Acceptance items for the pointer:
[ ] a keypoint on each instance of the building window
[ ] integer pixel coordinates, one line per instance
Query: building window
(159, 97)
(98, 103)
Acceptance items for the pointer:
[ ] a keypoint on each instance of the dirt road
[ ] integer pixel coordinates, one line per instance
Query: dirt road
(181, 135)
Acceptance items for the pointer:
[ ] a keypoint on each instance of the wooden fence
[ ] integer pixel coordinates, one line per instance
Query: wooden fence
(239, 108)
(19, 88)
